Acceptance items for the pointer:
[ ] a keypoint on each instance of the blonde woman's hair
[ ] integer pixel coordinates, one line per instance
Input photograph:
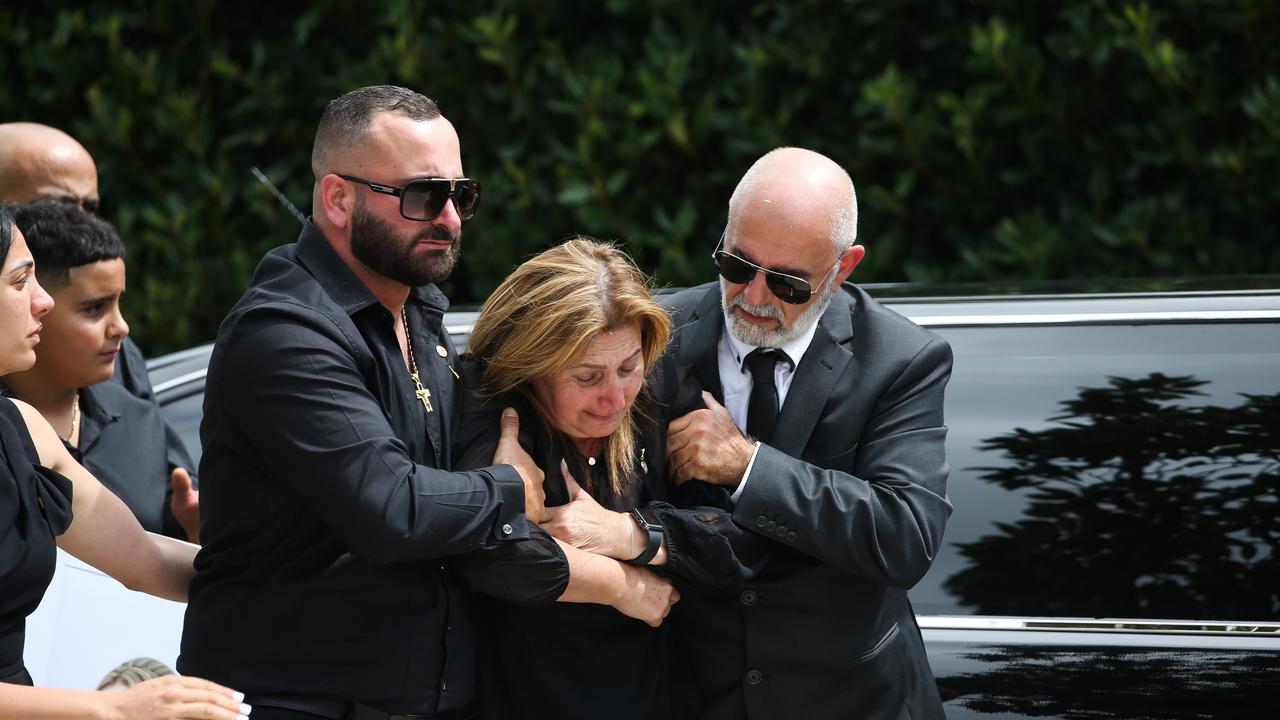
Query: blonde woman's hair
(543, 317)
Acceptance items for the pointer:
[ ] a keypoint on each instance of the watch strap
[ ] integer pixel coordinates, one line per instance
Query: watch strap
(654, 531)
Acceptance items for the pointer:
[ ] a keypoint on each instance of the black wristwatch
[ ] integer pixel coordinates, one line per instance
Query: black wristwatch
(655, 538)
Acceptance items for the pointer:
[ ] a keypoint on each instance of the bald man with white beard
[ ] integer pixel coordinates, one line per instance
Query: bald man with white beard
(822, 435)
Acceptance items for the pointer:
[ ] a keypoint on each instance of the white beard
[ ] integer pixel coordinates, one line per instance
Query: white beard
(757, 336)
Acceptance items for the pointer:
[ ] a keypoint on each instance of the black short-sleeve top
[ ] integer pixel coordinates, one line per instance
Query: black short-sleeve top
(35, 507)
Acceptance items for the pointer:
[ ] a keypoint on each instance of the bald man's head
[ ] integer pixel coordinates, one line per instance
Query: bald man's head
(802, 188)
(40, 161)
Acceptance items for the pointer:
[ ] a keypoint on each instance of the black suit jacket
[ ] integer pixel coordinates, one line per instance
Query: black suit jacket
(850, 499)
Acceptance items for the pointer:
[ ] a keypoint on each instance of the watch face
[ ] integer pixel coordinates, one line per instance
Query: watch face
(654, 532)
(643, 522)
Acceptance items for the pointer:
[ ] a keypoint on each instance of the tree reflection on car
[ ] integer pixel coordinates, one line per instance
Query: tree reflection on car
(1153, 507)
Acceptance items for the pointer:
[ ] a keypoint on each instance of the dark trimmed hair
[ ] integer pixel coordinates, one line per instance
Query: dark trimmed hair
(62, 236)
(6, 231)
(348, 116)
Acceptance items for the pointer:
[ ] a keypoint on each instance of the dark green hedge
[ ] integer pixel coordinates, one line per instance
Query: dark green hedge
(988, 140)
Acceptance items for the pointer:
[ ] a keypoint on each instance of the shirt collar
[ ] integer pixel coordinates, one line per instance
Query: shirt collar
(100, 403)
(794, 349)
(341, 283)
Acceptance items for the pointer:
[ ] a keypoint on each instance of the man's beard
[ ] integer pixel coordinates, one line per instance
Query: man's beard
(376, 244)
(757, 336)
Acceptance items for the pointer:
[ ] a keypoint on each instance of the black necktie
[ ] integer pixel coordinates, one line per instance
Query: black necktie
(762, 408)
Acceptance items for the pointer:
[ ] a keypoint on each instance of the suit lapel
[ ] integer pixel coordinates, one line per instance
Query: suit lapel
(815, 380)
(699, 339)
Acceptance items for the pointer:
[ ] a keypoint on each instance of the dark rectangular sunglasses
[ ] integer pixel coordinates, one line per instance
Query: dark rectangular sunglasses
(787, 288)
(425, 199)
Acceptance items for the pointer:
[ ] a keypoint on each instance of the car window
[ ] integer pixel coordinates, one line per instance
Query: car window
(1112, 471)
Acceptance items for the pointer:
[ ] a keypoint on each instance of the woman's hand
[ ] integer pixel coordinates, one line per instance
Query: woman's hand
(645, 596)
(174, 697)
(584, 524)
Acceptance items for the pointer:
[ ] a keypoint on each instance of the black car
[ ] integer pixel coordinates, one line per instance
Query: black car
(1115, 546)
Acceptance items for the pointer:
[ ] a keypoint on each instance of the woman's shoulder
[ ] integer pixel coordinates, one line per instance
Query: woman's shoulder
(15, 421)
(479, 399)
(24, 425)
(9, 408)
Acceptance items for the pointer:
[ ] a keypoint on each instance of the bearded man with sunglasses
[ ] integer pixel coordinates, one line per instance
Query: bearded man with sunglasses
(822, 435)
(328, 502)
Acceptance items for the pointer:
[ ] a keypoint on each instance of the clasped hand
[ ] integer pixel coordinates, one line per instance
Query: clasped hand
(706, 445)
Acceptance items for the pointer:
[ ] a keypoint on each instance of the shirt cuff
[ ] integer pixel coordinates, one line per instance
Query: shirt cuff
(743, 482)
(511, 524)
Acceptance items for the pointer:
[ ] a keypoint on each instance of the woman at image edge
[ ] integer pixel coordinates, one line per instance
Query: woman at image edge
(45, 494)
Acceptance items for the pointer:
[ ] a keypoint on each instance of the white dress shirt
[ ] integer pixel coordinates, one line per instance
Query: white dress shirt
(735, 380)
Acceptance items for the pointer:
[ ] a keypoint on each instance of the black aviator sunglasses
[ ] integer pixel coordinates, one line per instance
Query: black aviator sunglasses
(425, 199)
(787, 288)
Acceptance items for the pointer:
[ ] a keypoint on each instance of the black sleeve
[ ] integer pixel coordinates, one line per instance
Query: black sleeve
(303, 405)
(531, 572)
(705, 548)
(885, 519)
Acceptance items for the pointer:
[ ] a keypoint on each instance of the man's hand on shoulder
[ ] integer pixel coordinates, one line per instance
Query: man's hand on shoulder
(510, 452)
(706, 445)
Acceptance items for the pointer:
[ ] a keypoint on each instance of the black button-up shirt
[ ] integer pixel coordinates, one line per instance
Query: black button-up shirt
(327, 506)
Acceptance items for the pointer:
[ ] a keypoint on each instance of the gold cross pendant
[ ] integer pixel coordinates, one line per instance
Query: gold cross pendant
(423, 394)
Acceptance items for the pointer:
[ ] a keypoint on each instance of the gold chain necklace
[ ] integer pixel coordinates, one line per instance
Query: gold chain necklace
(75, 417)
(421, 392)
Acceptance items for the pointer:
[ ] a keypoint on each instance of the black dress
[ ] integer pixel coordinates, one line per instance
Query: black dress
(35, 507)
(543, 659)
